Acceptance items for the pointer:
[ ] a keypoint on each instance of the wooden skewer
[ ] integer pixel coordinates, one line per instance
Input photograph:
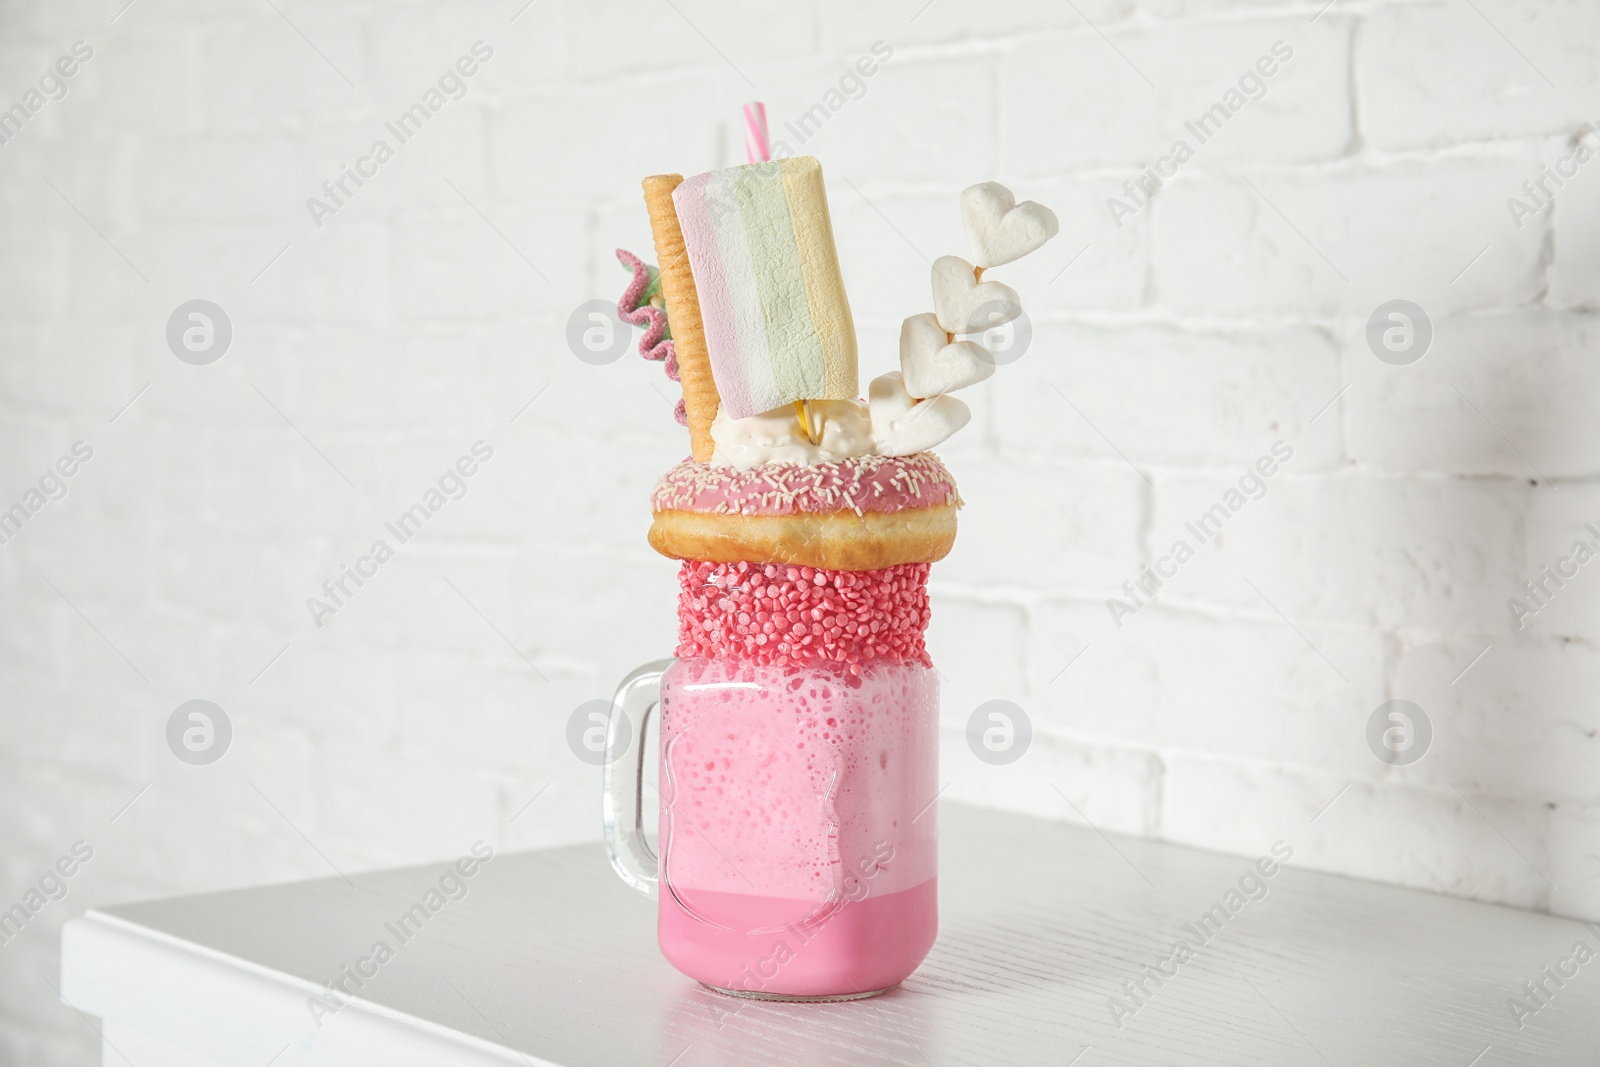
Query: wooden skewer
(803, 409)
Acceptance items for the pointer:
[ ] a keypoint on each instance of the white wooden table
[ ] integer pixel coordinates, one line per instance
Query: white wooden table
(550, 959)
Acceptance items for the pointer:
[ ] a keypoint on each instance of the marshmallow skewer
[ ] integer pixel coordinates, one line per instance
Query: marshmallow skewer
(757, 151)
(777, 323)
(700, 398)
(913, 409)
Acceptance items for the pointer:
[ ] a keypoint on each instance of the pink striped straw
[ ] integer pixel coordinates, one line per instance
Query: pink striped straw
(755, 132)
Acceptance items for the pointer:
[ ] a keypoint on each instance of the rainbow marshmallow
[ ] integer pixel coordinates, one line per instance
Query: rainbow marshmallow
(777, 323)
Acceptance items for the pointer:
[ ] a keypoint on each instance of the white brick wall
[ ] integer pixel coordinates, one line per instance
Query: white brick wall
(1169, 355)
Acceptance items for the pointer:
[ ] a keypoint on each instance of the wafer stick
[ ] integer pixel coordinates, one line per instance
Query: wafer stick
(700, 397)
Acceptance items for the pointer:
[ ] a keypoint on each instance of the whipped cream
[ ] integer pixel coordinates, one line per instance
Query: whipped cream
(776, 436)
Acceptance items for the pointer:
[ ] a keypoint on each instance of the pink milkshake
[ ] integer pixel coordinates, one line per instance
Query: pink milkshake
(797, 824)
(798, 720)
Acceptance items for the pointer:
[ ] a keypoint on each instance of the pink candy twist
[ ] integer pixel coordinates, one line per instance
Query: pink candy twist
(633, 309)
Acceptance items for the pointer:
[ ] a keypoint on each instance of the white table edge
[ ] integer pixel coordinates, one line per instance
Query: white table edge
(249, 1005)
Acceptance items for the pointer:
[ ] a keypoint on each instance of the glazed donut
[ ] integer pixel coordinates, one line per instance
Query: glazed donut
(859, 514)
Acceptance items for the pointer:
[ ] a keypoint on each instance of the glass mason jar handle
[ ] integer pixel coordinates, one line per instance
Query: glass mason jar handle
(623, 800)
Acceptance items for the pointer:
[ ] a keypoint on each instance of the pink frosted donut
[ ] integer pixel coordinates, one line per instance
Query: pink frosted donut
(861, 514)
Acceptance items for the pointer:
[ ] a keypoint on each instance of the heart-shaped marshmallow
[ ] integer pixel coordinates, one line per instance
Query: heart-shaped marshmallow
(962, 304)
(902, 425)
(1000, 229)
(887, 404)
(932, 364)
